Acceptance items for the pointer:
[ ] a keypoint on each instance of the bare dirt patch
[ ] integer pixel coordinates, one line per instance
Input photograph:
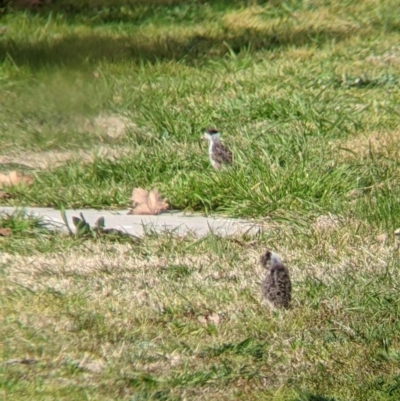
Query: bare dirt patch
(51, 159)
(113, 126)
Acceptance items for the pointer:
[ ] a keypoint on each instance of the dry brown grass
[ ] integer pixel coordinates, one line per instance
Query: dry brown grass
(103, 125)
(59, 271)
(376, 144)
(165, 305)
(112, 126)
(53, 158)
(390, 57)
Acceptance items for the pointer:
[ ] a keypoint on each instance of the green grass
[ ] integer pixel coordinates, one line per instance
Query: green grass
(306, 95)
(286, 107)
(128, 321)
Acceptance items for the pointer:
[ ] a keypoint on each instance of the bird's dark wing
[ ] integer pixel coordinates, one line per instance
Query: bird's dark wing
(221, 154)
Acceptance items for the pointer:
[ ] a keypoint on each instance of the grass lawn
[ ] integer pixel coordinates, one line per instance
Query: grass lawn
(96, 102)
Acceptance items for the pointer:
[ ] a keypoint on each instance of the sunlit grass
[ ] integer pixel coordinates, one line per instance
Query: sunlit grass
(135, 316)
(306, 96)
(284, 109)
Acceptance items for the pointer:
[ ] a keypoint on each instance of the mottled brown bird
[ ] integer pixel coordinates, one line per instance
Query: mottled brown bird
(218, 153)
(276, 286)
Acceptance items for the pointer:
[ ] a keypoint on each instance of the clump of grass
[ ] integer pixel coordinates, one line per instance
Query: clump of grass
(27, 235)
(19, 223)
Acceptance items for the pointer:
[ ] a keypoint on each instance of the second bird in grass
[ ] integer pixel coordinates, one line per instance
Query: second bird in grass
(276, 286)
(219, 154)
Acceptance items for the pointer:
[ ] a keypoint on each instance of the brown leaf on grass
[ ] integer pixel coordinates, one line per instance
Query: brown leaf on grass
(5, 232)
(4, 195)
(382, 238)
(214, 318)
(211, 318)
(145, 202)
(13, 178)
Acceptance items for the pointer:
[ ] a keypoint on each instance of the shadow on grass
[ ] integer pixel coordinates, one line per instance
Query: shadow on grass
(313, 397)
(74, 49)
(121, 10)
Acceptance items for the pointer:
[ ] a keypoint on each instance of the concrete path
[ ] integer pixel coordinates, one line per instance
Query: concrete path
(176, 222)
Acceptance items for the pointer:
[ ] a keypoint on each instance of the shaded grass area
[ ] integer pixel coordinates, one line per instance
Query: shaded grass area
(177, 317)
(164, 46)
(190, 32)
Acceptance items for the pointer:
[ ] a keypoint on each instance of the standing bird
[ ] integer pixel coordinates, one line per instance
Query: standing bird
(276, 286)
(218, 153)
